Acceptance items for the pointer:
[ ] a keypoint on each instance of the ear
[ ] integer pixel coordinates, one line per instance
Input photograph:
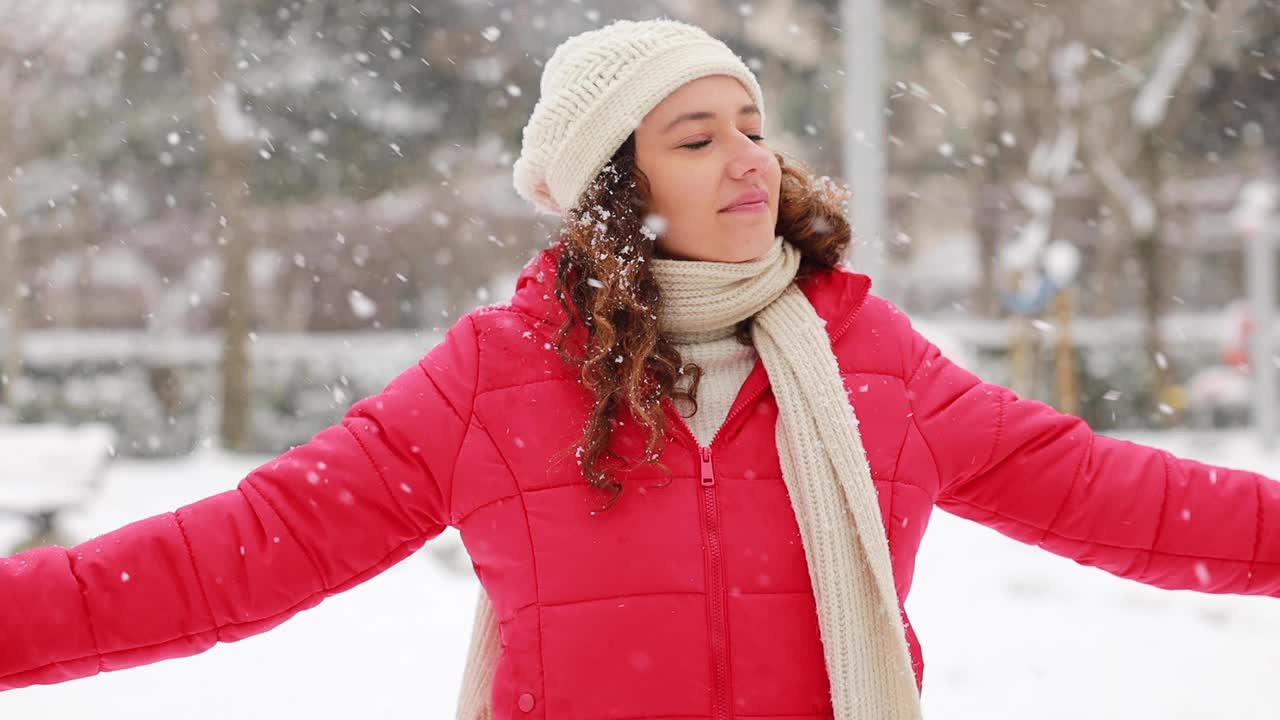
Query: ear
(544, 201)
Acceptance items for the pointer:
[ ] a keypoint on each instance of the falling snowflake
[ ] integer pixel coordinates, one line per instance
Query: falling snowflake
(655, 224)
(1202, 573)
(361, 305)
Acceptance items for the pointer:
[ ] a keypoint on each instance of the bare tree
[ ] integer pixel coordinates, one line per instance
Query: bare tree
(38, 40)
(1129, 154)
(205, 45)
(1071, 90)
(10, 245)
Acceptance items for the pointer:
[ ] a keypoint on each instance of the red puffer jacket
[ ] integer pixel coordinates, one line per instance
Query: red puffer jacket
(686, 599)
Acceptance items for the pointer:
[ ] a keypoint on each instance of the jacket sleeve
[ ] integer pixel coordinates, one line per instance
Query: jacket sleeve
(320, 518)
(1046, 479)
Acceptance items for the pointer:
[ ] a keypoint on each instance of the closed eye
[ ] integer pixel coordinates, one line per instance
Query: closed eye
(703, 143)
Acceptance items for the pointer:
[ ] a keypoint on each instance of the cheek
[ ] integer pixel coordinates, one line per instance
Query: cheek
(680, 193)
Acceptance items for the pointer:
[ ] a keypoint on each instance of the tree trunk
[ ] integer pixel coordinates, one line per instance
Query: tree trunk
(11, 320)
(236, 427)
(204, 45)
(987, 214)
(1149, 248)
(1110, 272)
(986, 179)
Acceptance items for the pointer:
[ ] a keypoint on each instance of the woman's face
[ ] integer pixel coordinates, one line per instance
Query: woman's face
(702, 151)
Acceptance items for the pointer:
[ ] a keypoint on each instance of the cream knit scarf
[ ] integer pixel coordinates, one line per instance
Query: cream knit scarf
(824, 468)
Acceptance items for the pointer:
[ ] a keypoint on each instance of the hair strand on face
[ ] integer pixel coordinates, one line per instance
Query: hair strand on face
(605, 286)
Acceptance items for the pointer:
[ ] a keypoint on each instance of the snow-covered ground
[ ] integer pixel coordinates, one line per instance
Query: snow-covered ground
(1009, 631)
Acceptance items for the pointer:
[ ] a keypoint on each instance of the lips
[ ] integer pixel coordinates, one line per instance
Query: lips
(751, 196)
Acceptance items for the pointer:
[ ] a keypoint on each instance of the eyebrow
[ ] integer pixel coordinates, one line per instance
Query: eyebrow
(707, 115)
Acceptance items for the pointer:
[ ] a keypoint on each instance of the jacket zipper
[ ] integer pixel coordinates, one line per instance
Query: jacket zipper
(715, 588)
(711, 525)
(715, 559)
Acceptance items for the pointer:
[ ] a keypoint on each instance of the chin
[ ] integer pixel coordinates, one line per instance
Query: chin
(753, 249)
(740, 255)
(747, 243)
(732, 247)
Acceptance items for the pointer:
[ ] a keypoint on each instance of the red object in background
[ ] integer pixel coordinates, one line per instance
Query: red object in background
(1237, 354)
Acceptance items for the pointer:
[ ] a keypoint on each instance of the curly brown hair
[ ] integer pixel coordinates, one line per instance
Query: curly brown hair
(624, 360)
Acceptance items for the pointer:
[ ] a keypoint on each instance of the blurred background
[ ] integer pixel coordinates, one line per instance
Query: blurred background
(222, 222)
(210, 209)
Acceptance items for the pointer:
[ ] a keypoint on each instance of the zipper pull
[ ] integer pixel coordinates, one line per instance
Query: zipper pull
(708, 478)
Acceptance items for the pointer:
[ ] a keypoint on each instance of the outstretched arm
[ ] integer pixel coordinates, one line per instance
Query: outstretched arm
(319, 519)
(1046, 479)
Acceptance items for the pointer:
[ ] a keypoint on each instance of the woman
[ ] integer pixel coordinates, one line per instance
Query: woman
(692, 460)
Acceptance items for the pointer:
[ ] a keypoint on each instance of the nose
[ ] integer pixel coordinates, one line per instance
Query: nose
(747, 157)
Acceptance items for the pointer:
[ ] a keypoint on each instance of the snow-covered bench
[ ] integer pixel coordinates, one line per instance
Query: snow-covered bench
(46, 469)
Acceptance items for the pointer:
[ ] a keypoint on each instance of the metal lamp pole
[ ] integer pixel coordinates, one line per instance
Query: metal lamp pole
(864, 134)
(1262, 299)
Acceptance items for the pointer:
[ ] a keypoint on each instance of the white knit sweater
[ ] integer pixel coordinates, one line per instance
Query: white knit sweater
(725, 364)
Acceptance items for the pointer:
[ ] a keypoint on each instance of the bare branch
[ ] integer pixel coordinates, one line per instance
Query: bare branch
(1138, 206)
(1175, 59)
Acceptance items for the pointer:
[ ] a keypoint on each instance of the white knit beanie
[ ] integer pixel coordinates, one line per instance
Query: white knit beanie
(595, 90)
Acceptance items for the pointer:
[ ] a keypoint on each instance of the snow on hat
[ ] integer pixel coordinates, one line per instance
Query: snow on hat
(595, 90)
